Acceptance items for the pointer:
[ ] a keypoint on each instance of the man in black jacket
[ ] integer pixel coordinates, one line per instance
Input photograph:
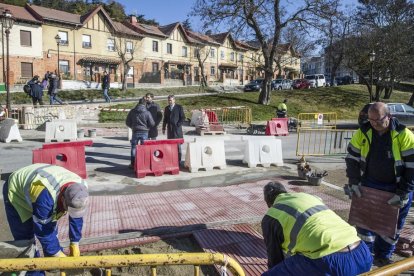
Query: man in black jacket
(173, 120)
(36, 91)
(140, 121)
(105, 86)
(156, 113)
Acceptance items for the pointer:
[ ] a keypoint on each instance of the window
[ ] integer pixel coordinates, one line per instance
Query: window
(184, 51)
(169, 48)
(196, 71)
(222, 54)
(241, 57)
(64, 66)
(110, 44)
(27, 69)
(86, 41)
(25, 38)
(196, 52)
(212, 53)
(212, 70)
(232, 56)
(155, 46)
(155, 67)
(129, 47)
(63, 38)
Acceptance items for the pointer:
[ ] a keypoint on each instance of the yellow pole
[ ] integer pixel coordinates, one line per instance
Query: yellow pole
(393, 269)
(153, 271)
(108, 272)
(196, 270)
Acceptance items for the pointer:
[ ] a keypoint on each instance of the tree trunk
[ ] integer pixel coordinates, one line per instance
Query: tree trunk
(264, 97)
(124, 73)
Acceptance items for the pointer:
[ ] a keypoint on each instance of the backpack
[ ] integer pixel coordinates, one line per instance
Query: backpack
(27, 89)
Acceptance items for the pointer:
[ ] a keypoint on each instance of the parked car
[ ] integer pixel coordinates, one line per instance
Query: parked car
(403, 112)
(316, 80)
(301, 84)
(254, 85)
(280, 84)
(344, 80)
(328, 82)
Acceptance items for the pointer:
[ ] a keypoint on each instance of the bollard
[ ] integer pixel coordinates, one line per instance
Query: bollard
(92, 133)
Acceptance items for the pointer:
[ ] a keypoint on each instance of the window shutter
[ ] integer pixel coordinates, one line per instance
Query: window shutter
(27, 69)
(25, 38)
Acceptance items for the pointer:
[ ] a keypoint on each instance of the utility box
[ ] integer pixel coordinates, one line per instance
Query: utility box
(2, 87)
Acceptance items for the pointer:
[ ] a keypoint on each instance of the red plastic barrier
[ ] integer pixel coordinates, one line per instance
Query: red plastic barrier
(212, 117)
(277, 126)
(70, 155)
(157, 157)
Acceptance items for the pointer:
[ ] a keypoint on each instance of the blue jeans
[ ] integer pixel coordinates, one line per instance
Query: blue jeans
(54, 98)
(20, 230)
(350, 263)
(106, 96)
(383, 247)
(137, 138)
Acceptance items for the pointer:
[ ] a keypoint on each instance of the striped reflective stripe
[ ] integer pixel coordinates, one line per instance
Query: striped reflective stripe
(350, 156)
(389, 240)
(42, 221)
(405, 153)
(301, 219)
(52, 180)
(366, 238)
(409, 165)
(399, 163)
(398, 179)
(29, 181)
(363, 158)
(354, 149)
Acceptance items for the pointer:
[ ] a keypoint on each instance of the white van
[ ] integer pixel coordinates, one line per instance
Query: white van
(317, 80)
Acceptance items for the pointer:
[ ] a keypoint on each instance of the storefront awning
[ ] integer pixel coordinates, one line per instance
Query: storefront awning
(94, 60)
(227, 65)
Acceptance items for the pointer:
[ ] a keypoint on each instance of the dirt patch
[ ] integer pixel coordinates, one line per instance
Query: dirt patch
(337, 177)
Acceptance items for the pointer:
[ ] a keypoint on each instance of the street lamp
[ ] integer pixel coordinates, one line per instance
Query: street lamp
(57, 38)
(7, 21)
(371, 60)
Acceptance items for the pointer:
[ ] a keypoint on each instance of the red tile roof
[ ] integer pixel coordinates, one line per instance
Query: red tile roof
(19, 13)
(146, 29)
(56, 15)
(201, 38)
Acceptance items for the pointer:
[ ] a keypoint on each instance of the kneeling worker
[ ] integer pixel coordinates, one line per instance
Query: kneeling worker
(36, 196)
(304, 237)
(281, 111)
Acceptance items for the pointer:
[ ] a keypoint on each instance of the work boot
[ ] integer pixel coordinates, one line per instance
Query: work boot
(379, 262)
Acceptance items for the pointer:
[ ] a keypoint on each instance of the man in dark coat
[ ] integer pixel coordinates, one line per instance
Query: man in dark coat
(140, 121)
(53, 89)
(156, 114)
(36, 90)
(105, 86)
(173, 120)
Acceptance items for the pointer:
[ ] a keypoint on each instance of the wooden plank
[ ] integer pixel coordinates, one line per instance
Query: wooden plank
(371, 211)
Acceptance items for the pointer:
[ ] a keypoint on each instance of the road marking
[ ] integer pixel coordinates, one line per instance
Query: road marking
(332, 186)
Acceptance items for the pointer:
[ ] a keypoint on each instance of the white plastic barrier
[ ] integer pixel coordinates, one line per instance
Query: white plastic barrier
(263, 151)
(205, 153)
(9, 131)
(198, 118)
(61, 130)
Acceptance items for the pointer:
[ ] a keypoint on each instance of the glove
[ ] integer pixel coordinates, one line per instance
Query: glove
(59, 254)
(399, 201)
(74, 249)
(352, 189)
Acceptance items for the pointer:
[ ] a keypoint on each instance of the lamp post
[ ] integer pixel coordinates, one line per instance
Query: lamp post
(7, 21)
(57, 38)
(371, 60)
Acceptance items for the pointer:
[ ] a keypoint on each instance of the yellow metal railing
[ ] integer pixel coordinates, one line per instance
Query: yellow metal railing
(108, 261)
(317, 120)
(235, 115)
(321, 142)
(393, 269)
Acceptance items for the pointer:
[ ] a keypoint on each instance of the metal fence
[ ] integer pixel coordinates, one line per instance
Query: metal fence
(323, 141)
(317, 120)
(228, 116)
(108, 261)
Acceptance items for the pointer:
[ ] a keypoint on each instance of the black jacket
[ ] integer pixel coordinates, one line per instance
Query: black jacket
(36, 90)
(105, 82)
(156, 114)
(173, 121)
(53, 85)
(139, 119)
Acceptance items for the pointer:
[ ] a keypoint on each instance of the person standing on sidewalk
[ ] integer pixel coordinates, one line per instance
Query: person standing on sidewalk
(36, 91)
(156, 114)
(105, 86)
(36, 197)
(381, 156)
(174, 118)
(304, 237)
(53, 89)
(140, 121)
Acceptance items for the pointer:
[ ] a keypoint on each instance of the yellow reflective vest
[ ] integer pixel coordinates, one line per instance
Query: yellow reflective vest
(26, 184)
(282, 107)
(309, 227)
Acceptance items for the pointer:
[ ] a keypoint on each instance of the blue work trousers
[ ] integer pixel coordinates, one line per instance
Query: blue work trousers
(20, 230)
(138, 137)
(54, 98)
(354, 262)
(383, 247)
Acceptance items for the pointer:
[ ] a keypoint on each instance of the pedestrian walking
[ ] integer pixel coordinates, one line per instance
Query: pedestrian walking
(174, 118)
(105, 86)
(53, 89)
(45, 80)
(304, 237)
(36, 197)
(36, 91)
(156, 114)
(381, 156)
(140, 121)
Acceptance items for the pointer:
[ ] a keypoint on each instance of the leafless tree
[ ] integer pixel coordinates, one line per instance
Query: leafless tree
(202, 53)
(125, 47)
(263, 20)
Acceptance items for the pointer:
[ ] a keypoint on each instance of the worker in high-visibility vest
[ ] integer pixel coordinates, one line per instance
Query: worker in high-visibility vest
(36, 196)
(281, 111)
(305, 237)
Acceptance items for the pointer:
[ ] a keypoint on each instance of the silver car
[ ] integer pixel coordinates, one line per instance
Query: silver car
(280, 84)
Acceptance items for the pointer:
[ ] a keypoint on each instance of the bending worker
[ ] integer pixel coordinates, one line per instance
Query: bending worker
(281, 111)
(304, 237)
(381, 156)
(36, 196)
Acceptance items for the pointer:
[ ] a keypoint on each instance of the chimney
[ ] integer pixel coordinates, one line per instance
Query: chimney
(133, 19)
